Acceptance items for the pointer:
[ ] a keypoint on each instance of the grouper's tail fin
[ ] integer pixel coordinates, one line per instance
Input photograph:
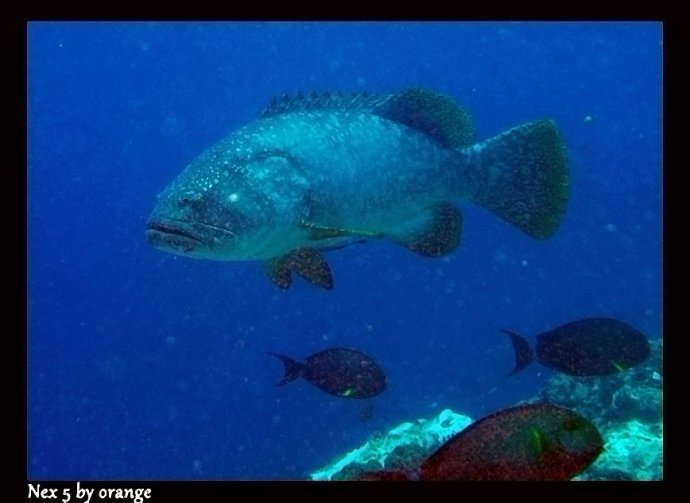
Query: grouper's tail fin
(522, 176)
(293, 369)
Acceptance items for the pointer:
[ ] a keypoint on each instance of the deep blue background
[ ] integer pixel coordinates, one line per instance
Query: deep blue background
(143, 365)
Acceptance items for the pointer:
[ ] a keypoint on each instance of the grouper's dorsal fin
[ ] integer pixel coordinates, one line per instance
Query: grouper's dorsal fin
(432, 113)
(326, 100)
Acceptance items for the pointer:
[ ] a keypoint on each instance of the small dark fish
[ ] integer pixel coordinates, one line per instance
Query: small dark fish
(339, 371)
(589, 347)
(528, 442)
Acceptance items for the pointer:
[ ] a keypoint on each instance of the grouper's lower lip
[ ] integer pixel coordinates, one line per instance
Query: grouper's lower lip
(177, 236)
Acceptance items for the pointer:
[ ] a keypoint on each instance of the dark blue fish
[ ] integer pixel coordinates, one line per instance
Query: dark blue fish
(343, 372)
(589, 347)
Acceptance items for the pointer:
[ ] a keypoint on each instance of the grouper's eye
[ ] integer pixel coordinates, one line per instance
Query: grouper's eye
(571, 424)
(188, 199)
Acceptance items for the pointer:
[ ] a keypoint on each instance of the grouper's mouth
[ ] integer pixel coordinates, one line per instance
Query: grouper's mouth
(183, 236)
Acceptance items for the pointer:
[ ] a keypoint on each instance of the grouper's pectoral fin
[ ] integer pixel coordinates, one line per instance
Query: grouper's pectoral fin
(318, 232)
(437, 234)
(306, 262)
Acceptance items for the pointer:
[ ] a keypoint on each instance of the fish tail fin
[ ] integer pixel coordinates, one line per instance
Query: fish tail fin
(522, 177)
(293, 369)
(523, 353)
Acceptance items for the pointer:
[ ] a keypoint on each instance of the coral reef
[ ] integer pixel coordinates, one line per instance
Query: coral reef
(627, 410)
(404, 447)
(633, 451)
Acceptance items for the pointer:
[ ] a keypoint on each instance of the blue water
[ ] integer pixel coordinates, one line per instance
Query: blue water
(144, 365)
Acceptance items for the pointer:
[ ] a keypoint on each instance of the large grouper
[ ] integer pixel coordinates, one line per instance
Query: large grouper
(320, 171)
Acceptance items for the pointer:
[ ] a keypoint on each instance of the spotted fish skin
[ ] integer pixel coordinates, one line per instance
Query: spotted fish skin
(325, 170)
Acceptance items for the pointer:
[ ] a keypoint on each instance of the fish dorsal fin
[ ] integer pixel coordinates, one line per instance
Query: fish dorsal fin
(326, 100)
(435, 114)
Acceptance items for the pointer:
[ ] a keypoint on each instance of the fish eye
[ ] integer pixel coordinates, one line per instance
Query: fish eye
(571, 424)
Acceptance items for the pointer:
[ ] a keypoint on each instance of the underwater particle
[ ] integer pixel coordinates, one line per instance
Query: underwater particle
(500, 257)
(170, 340)
(588, 347)
(366, 413)
(334, 64)
(610, 227)
(342, 372)
(588, 118)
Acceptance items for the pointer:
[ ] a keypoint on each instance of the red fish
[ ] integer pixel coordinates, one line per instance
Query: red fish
(527, 442)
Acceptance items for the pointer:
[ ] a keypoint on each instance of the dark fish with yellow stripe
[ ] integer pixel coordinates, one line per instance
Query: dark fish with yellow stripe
(343, 372)
(588, 347)
(320, 171)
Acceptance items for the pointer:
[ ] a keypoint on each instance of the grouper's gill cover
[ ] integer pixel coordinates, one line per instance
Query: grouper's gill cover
(227, 202)
(319, 172)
